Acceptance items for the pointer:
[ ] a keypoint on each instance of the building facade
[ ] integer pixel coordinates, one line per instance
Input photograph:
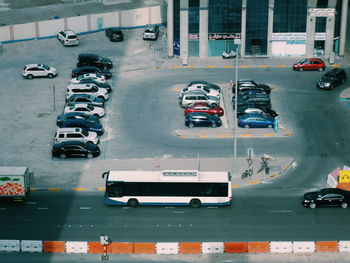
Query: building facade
(264, 28)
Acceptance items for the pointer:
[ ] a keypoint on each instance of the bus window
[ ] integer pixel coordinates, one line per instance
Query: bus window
(115, 189)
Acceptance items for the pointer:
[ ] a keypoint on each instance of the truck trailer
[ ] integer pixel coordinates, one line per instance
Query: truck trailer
(15, 182)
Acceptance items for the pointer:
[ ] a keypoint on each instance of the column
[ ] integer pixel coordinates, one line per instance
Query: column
(170, 28)
(243, 28)
(344, 18)
(184, 31)
(270, 27)
(203, 28)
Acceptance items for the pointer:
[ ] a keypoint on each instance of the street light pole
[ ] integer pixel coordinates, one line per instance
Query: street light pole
(235, 119)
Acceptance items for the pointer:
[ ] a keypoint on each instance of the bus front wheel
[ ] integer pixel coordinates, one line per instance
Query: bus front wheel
(195, 203)
(133, 203)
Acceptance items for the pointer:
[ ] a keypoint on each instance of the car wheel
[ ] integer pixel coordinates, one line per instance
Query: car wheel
(301, 69)
(97, 115)
(29, 76)
(213, 125)
(312, 205)
(214, 104)
(133, 203)
(343, 80)
(331, 87)
(269, 126)
(321, 69)
(195, 203)
(191, 125)
(246, 126)
(63, 156)
(344, 205)
(89, 156)
(50, 76)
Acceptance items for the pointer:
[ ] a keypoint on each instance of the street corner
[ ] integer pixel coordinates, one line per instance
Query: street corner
(345, 94)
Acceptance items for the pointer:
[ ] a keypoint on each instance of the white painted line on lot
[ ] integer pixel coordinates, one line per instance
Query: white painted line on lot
(85, 208)
(280, 211)
(42, 208)
(178, 212)
(31, 203)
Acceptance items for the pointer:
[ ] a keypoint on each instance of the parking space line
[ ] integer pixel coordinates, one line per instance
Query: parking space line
(202, 136)
(228, 66)
(244, 66)
(79, 189)
(263, 66)
(281, 66)
(54, 189)
(210, 66)
(246, 135)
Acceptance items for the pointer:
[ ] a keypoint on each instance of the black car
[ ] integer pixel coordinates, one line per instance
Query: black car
(332, 79)
(76, 115)
(85, 125)
(202, 119)
(327, 197)
(94, 60)
(206, 83)
(91, 69)
(75, 149)
(85, 98)
(248, 84)
(114, 34)
(105, 85)
(261, 103)
(251, 93)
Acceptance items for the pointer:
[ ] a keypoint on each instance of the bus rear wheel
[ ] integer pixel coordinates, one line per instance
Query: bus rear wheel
(195, 203)
(133, 203)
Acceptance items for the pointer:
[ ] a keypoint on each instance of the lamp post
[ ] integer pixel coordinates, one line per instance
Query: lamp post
(237, 42)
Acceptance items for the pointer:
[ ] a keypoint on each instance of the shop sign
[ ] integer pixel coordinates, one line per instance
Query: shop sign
(224, 36)
(344, 177)
(320, 36)
(193, 36)
(321, 12)
(289, 37)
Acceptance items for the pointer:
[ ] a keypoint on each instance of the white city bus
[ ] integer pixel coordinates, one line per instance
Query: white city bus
(175, 187)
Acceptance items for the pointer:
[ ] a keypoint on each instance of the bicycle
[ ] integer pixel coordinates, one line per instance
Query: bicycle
(247, 173)
(264, 165)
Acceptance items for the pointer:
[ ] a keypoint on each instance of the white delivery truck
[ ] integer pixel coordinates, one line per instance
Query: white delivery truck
(15, 182)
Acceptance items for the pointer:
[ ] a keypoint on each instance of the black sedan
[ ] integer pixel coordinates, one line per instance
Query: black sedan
(202, 119)
(85, 125)
(75, 149)
(85, 98)
(90, 69)
(327, 197)
(114, 34)
(76, 115)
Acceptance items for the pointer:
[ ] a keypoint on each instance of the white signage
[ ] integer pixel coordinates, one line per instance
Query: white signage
(321, 12)
(288, 36)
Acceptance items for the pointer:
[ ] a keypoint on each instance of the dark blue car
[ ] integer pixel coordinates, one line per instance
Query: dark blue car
(202, 119)
(85, 125)
(256, 120)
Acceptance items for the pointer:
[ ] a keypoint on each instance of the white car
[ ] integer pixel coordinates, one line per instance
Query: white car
(90, 89)
(85, 108)
(91, 76)
(68, 38)
(38, 70)
(208, 91)
(75, 134)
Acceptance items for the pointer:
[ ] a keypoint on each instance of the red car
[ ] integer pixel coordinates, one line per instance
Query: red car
(204, 107)
(310, 64)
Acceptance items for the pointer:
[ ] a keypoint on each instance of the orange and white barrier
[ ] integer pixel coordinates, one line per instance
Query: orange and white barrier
(281, 247)
(212, 247)
(31, 246)
(76, 247)
(167, 248)
(9, 245)
(304, 247)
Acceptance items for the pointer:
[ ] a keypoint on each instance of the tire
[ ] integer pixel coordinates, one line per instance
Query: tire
(89, 156)
(343, 80)
(246, 126)
(321, 69)
(133, 203)
(191, 125)
(30, 76)
(269, 126)
(312, 205)
(300, 69)
(98, 116)
(100, 97)
(63, 156)
(50, 76)
(195, 203)
(344, 205)
(213, 125)
(214, 104)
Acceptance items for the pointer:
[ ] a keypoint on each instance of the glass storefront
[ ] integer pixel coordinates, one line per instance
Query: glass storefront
(193, 28)
(289, 16)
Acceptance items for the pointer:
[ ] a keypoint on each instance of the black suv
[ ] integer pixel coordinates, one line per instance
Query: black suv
(75, 149)
(248, 84)
(94, 60)
(332, 79)
(114, 34)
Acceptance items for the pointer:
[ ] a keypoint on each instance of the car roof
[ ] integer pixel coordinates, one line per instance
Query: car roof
(80, 95)
(34, 65)
(315, 59)
(88, 55)
(69, 32)
(150, 26)
(69, 130)
(114, 29)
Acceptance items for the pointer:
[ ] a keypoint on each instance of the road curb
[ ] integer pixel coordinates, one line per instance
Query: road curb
(224, 135)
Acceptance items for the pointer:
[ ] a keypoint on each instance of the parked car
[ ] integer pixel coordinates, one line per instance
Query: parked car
(75, 134)
(261, 103)
(310, 64)
(86, 89)
(76, 115)
(204, 107)
(75, 149)
(202, 119)
(151, 32)
(326, 197)
(251, 93)
(332, 79)
(105, 85)
(86, 108)
(89, 76)
(268, 112)
(248, 84)
(193, 97)
(83, 124)
(205, 83)
(85, 98)
(256, 120)
(38, 70)
(91, 69)
(114, 34)
(94, 60)
(68, 38)
(207, 91)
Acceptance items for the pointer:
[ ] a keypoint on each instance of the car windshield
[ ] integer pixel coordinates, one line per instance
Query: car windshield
(85, 133)
(94, 89)
(330, 75)
(207, 90)
(90, 107)
(72, 37)
(303, 61)
(46, 67)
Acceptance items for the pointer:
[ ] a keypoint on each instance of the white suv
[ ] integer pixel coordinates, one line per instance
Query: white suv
(208, 91)
(68, 38)
(75, 134)
(90, 89)
(38, 70)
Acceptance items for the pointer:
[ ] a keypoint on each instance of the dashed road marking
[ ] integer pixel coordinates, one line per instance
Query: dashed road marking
(85, 208)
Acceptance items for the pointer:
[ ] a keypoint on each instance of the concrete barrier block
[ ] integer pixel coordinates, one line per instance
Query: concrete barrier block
(304, 247)
(9, 245)
(281, 247)
(344, 246)
(212, 247)
(167, 248)
(31, 246)
(76, 247)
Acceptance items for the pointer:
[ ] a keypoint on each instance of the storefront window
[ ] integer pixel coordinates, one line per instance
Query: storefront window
(321, 24)
(289, 16)
(176, 27)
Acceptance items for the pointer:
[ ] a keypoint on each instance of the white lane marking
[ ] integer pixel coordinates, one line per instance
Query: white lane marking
(31, 203)
(3, 208)
(178, 212)
(280, 211)
(85, 207)
(212, 207)
(42, 208)
(169, 207)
